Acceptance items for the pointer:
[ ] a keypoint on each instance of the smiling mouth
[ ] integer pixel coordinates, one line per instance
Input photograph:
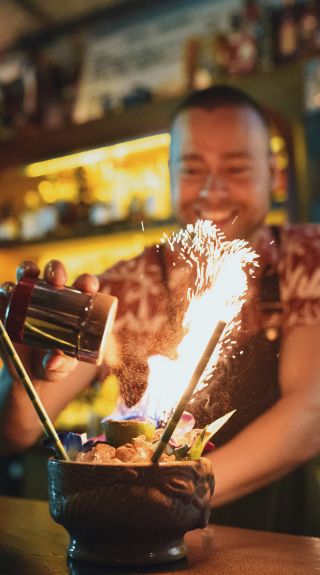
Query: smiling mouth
(220, 216)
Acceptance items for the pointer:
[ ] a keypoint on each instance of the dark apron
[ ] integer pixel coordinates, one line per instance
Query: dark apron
(291, 504)
(249, 383)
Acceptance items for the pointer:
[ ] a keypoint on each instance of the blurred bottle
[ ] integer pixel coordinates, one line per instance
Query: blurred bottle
(205, 72)
(254, 22)
(100, 214)
(29, 230)
(38, 219)
(136, 210)
(265, 48)
(221, 53)
(47, 219)
(191, 60)
(9, 223)
(84, 199)
(286, 33)
(243, 46)
(151, 207)
(309, 29)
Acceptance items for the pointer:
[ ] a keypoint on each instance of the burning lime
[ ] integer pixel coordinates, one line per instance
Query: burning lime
(120, 432)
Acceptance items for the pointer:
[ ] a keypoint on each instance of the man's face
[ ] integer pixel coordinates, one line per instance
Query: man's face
(221, 169)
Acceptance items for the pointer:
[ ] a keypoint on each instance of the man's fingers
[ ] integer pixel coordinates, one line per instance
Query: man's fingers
(87, 283)
(27, 268)
(57, 366)
(55, 273)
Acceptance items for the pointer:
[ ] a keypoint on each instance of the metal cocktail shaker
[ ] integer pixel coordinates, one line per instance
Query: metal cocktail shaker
(47, 317)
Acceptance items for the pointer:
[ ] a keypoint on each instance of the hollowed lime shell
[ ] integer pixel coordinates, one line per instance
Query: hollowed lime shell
(120, 432)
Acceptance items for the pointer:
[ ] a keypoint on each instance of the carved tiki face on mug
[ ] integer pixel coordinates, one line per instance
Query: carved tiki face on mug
(130, 514)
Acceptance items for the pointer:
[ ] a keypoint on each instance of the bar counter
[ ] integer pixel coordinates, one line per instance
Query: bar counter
(31, 543)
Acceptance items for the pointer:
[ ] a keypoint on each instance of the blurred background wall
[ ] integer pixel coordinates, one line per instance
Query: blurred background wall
(87, 89)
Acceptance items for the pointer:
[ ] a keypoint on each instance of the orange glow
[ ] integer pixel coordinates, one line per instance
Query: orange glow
(97, 155)
(128, 178)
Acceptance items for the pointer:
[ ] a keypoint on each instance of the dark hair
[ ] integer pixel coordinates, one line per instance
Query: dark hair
(218, 96)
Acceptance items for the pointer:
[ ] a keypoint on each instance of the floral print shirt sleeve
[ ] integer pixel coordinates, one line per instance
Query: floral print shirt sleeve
(299, 271)
(142, 327)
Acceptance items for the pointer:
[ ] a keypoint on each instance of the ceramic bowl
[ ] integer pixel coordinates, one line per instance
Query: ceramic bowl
(129, 514)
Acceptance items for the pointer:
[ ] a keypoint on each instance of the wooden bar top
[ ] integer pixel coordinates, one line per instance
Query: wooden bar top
(31, 543)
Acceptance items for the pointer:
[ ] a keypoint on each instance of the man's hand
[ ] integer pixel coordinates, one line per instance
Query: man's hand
(55, 376)
(53, 365)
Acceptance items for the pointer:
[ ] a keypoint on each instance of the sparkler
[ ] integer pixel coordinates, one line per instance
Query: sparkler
(27, 383)
(220, 285)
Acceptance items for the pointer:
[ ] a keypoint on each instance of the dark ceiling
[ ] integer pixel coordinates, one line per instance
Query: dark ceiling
(25, 21)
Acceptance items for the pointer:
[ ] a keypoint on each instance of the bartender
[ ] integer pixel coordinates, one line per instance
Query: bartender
(221, 169)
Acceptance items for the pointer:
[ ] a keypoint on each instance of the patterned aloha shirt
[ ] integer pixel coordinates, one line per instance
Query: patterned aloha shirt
(151, 289)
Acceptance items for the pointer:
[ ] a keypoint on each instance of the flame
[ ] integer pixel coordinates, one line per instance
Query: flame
(221, 280)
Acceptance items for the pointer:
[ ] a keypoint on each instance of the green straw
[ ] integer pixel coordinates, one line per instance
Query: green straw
(36, 401)
(174, 420)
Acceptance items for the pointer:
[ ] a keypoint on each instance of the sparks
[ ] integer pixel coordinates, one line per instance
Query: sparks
(217, 294)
